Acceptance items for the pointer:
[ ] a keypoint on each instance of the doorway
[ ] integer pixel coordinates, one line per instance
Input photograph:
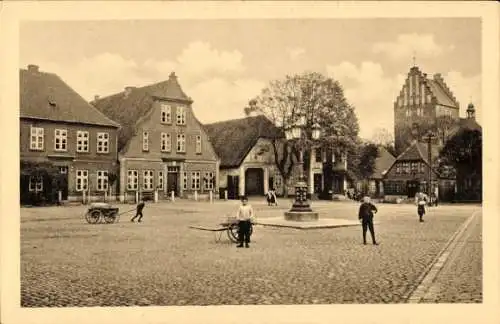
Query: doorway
(172, 180)
(412, 188)
(254, 181)
(233, 183)
(63, 170)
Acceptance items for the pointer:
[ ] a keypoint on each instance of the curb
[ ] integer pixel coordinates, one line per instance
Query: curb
(430, 273)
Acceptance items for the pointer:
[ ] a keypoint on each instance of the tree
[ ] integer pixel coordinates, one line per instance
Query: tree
(382, 137)
(309, 98)
(463, 151)
(444, 126)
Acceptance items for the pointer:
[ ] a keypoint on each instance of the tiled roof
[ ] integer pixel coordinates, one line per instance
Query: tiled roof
(442, 97)
(46, 96)
(383, 163)
(130, 106)
(233, 139)
(417, 151)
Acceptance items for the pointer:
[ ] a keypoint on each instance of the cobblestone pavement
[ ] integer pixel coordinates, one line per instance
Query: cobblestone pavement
(460, 280)
(67, 262)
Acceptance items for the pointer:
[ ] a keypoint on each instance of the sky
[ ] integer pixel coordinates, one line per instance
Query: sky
(222, 64)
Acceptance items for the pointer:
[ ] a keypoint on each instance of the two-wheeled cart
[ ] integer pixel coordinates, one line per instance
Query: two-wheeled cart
(103, 213)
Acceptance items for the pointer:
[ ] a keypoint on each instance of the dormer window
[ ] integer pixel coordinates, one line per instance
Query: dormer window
(181, 115)
(166, 114)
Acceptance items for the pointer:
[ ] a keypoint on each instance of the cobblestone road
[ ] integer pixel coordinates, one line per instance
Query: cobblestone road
(66, 262)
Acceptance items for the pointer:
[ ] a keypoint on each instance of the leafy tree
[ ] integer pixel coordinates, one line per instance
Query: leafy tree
(308, 98)
(52, 181)
(463, 151)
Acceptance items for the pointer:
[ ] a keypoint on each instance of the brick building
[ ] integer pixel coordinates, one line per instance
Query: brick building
(420, 103)
(59, 129)
(162, 147)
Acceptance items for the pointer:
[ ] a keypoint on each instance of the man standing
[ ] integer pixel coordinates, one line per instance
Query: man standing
(244, 216)
(366, 211)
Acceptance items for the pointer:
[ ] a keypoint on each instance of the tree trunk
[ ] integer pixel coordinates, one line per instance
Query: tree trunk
(285, 188)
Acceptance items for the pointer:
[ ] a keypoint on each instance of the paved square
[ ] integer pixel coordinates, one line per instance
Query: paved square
(67, 262)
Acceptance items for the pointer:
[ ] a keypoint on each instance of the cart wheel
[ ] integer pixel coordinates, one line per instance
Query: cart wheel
(232, 233)
(93, 216)
(110, 217)
(251, 230)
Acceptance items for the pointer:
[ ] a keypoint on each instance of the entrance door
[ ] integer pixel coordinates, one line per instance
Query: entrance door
(64, 182)
(233, 183)
(172, 180)
(412, 188)
(254, 181)
(317, 183)
(271, 183)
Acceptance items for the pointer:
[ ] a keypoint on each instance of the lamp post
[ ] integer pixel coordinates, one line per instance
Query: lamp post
(429, 137)
(301, 210)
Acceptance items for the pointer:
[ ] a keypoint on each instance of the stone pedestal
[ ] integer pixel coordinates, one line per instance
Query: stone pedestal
(301, 216)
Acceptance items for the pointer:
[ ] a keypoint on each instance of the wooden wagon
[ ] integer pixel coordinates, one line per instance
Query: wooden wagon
(229, 226)
(102, 213)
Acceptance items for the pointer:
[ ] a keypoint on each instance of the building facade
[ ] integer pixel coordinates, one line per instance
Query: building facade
(60, 130)
(163, 148)
(420, 103)
(248, 147)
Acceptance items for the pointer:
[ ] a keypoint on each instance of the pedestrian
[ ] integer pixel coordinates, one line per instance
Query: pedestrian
(244, 216)
(366, 211)
(271, 198)
(421, 200)
(140, 207)
(436, 195)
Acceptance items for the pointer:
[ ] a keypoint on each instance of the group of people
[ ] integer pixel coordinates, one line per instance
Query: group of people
(245, 215)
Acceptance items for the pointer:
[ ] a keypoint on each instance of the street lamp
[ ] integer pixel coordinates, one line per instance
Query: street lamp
(301, 210)
(429, 137)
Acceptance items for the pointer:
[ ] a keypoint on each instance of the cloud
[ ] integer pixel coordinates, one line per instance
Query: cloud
(215, 79)
(371, 92)
(408, 45)
(295, 53)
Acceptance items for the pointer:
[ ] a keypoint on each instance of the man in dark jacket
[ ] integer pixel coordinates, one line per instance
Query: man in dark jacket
(140, 207)
(366, 211)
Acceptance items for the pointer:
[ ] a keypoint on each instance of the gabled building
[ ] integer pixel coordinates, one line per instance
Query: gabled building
(60, 129)
(247, 162)
(162, 146)
(421, 101)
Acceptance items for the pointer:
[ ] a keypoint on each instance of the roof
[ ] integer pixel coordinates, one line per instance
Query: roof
(383, 163)
(233, 139)
(440, 93)
(46, 96)
(469, 124)
(417, 151)
(132, 105)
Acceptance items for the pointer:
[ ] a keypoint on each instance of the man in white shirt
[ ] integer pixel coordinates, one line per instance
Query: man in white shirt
(421, 200)
(244, 216)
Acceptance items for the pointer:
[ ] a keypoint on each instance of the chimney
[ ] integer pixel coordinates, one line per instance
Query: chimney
(96, 97)
(172, 76)
(425, 75)
(33, 68)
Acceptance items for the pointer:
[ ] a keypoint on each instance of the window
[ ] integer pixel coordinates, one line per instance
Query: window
(145, 141)
(317, 155)
(166, 114)
(82, 141)
(406, 167)
(147, 180)
(209, 180)
(198, 144)
(102, 142)
(132, 180)
(181, 115)
(408, 112)
(398, 168)
(181, 143)
(60, 140)
(82, 180)
(184, 180)
(195, 180)
(36, 140)
(414, 167)
(102, 180)
(36, 184)
(166, 142)
(160, 180)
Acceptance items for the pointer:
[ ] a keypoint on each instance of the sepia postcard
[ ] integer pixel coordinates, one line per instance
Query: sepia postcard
(249, 162)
